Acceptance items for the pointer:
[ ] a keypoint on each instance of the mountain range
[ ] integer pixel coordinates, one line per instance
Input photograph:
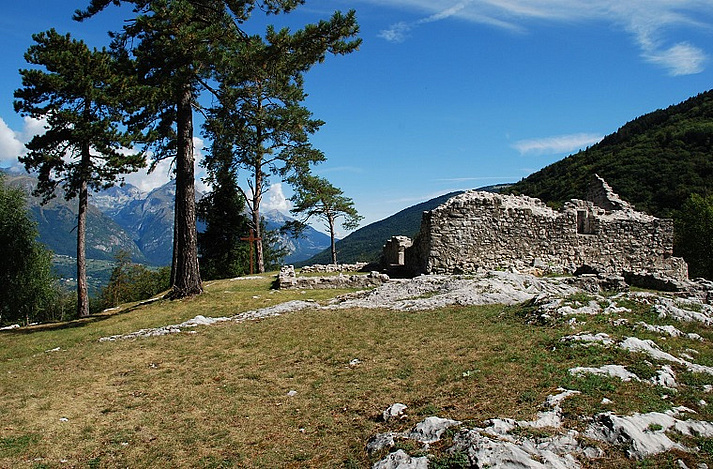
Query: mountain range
(125, 218)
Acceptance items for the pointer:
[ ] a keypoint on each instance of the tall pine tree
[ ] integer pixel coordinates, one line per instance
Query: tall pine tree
(74, 88)
(176, 46)
(261, 103)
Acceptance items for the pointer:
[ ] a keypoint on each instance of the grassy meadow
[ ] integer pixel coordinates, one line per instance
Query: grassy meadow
(218, 398)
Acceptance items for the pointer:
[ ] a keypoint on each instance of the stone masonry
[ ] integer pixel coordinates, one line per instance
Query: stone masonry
(481, 230)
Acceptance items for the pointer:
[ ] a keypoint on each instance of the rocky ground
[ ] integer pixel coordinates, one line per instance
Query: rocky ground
(503, 442)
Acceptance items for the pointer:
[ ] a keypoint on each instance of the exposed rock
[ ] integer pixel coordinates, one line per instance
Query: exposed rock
(435, 291)
(650, 348)
(614, 371)
(394, 411)
(667, 307)
(199, 320)
(645, 434)
(586, 338)
(431, 429)
(401, 460)
(380, 441)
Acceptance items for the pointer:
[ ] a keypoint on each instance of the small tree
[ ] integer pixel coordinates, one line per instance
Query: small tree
(75, 91)
(132, 282)
(694, 235)
(26, 282)
(316, 197)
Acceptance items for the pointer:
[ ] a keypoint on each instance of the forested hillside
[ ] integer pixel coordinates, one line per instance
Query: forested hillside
(655, 161)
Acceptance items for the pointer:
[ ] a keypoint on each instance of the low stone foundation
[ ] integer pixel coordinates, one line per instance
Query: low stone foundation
(288, 279)
(331, 268)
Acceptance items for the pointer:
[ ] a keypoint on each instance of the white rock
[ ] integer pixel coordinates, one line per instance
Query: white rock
(394, 411)
(615, 371)
(644, 434)
(666, 377)
(650, 348)
(431, 429)
(587, 338)
(380, 441)
(401, 460)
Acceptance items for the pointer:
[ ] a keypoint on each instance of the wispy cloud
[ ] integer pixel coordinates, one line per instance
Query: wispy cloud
(556, 145)
(648, 21)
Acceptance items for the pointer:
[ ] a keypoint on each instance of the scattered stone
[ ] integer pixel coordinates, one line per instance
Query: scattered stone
(431, 429)
(271, 311)
(587, 338)
(292, 393)
(354, 363)
(650, 348)
(401, 460)
(331, 268)
(665, 377)
(614, 371)
(645, 434)
(667, 307)
(394, 411)
(380, 441)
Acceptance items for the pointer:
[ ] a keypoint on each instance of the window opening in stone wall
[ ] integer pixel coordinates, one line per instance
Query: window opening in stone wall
(585, 223)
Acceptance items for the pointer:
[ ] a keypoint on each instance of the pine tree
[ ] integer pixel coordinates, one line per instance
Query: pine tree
(222, 252)
(75, 90)
(261, 98)
(176, 47)
(317, 197)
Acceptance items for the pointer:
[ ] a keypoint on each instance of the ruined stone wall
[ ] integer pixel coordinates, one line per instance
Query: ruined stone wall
(481, 230)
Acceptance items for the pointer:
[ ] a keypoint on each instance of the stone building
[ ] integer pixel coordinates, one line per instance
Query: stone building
(482, 230)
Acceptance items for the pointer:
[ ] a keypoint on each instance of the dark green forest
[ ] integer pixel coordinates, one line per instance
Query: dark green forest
(655, 161)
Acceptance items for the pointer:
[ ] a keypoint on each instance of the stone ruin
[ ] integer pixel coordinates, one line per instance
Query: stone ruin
(288, 279)
(487, 231)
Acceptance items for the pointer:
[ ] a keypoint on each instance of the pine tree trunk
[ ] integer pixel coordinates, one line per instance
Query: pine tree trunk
(186, 274)
(257, 198)
(82, 290)
(330, 218)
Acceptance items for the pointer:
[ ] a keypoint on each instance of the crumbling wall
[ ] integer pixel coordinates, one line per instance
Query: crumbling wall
(482, 230)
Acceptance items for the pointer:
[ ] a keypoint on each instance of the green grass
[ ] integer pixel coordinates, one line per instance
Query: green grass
(219, 398)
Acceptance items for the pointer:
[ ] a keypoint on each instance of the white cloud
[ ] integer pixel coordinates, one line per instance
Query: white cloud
(647, 20)
(10, 145)
(681, 59)
(396, 32)
(274, 199)
(164, 172)
(556, 145)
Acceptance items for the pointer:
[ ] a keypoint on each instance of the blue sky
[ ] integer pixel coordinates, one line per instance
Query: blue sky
(448, 94)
